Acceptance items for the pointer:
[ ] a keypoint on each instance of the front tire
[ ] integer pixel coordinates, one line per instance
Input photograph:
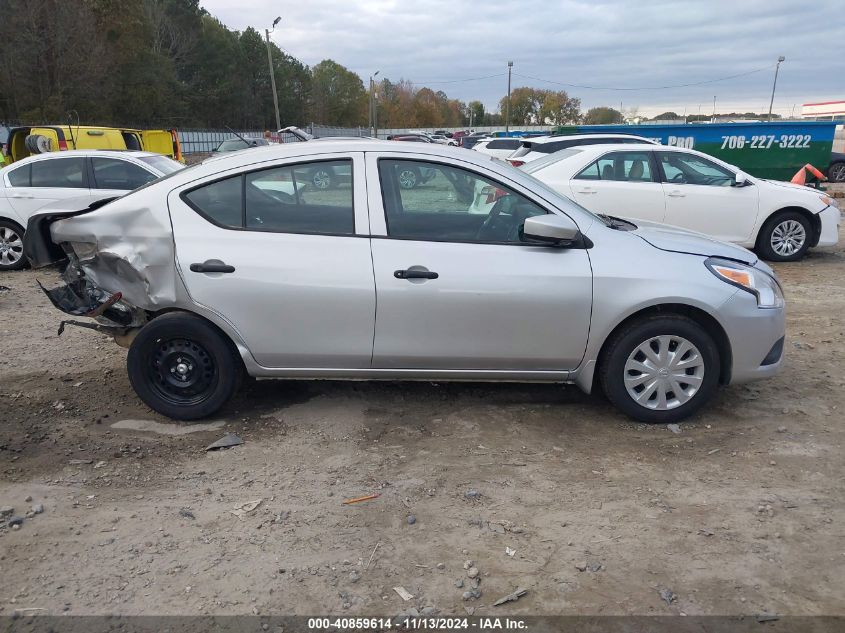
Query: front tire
(183, 367)
(11, 246)
(660, 369)
(785, 237)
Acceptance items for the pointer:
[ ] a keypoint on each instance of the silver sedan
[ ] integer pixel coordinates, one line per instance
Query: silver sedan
(243, 265)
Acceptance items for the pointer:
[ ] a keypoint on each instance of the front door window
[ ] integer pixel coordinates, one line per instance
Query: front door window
(430, 201)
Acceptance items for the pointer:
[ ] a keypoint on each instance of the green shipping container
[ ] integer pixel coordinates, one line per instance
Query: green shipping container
(774, 150)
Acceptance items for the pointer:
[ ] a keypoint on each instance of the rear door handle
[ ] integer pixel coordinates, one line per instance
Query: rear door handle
(587, 190)
(22, 195)
(676, 194)
(415, 274)
(212, 266)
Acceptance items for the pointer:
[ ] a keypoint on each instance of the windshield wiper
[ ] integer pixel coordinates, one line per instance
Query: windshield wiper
(609, 221)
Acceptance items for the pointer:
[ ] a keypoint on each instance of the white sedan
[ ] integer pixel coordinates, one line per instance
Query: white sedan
(30, 184)
(688, 189)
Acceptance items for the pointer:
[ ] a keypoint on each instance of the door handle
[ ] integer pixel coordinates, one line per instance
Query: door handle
(587, 190)
(676, 194)
(415, 274)
(212, 266)
(22, 195)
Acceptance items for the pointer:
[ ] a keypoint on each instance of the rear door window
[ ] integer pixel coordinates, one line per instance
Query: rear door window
(620, 167)
(66, 173)
(19, 177)
(220, 202)
(113, 173)
(302, 198)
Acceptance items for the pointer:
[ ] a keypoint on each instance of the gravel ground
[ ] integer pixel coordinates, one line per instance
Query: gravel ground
(739, 513)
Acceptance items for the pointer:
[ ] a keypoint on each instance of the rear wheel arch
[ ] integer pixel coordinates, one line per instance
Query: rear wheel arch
(222, 332)
(706, 321)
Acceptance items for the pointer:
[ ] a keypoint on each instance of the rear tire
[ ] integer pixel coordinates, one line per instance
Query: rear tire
(183, 367)
(659, 369)
(11, 246)
(785, 237)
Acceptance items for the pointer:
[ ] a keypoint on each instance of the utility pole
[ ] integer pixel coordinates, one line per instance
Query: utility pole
(775, 85)
(508, 109)
(273, 74)
(713, 118)
(375, 114)
(372, 103)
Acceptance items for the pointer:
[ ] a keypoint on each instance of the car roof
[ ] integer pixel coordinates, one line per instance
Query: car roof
(266, 153)
(100, 153)
(578, 137)
(600, 147)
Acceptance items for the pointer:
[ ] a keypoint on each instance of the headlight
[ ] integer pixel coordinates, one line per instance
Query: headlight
(753, 280)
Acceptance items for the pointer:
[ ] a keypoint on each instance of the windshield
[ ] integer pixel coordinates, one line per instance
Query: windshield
(162, 164)
(536, 165)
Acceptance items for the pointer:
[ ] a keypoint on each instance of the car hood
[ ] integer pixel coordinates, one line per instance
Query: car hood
(788, 185)
(678, 240)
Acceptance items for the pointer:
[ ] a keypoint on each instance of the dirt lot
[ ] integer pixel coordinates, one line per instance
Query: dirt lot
(740, 513)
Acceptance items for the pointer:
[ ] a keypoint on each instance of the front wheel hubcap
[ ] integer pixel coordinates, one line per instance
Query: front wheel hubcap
(11, 246)
(788, 237)
(664, 372)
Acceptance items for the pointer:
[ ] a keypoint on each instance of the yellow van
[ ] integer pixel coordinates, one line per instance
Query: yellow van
(27, 140)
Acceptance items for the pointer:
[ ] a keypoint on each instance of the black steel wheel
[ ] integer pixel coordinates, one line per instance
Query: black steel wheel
(183, 366)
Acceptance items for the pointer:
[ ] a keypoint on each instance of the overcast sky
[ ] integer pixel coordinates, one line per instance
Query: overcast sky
(602, 43)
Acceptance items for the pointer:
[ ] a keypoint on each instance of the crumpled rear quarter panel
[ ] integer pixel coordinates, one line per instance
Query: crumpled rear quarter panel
(134, 250)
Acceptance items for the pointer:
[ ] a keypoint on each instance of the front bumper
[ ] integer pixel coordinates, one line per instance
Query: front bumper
(755, 336)
(830, 219)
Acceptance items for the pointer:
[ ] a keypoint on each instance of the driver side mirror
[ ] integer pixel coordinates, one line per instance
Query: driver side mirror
(740, 179)
(552, 229)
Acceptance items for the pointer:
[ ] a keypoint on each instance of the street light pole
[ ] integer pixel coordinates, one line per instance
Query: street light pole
(508, 107)
(372, 103)
(273, 74)
(774, 85)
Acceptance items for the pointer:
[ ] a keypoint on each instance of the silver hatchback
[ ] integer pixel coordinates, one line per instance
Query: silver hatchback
(243, 265)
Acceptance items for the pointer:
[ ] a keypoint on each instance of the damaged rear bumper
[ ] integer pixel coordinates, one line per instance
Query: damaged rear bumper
(80, 298)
